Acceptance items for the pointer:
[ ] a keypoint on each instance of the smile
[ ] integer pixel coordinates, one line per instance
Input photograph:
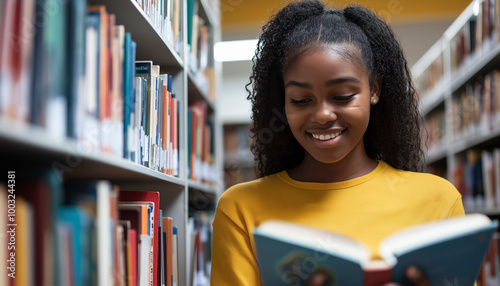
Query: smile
(325, 136)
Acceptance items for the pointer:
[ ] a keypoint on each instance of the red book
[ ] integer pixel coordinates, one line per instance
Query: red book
(168, 231)
(153, 197)
(132, 254)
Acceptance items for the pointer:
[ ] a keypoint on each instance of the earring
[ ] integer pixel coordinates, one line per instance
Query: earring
(374, 100)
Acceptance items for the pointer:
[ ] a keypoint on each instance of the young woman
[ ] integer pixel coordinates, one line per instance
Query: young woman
(336, 137)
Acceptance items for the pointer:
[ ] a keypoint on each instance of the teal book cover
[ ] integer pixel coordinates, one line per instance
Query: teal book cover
(446, 251)
(81, 225)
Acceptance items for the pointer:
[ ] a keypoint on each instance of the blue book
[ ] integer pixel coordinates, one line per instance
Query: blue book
(127, 100)
(75, 63)
(447, 251)
(81, 225)
(144, 69)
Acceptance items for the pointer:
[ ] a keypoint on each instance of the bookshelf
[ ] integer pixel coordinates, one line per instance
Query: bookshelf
(239, 163)
(31, 147)
(457, 83)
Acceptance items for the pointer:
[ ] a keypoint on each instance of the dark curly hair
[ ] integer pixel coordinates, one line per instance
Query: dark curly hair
(393, 134)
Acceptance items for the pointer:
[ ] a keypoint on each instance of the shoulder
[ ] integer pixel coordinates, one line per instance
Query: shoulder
(248, 193)
(425, 183)
(424, 189)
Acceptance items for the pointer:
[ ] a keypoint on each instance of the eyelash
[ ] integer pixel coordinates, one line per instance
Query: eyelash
(338, 98)
(344, 98)
(299, 102)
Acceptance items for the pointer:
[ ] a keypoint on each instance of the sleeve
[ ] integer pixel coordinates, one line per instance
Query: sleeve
(233, 261)
(457, 209)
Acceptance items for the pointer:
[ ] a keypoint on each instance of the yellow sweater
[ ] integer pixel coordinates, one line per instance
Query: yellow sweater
(367, 208)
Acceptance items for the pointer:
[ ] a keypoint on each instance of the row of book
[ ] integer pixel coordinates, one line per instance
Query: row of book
(475, 110)
(198, 34)
(238, 159)
(84, 233)
(431, 77)
(477, 37)
(200, 229)
(158, 123)
(165, 16)
(489, 274)
(201, 158)
(477, 177)
(77, 77)
(435, 125)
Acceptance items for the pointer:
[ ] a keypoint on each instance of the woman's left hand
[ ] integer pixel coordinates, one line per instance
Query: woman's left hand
(416, 277)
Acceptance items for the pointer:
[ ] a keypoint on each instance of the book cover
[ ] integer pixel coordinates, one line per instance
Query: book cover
(144, 69)
(132, 258)
(137, 214)
(168, 231)
(49, 99)
(161, 259)
(153, 197)
(75, 65)
(89, 130)
(289, 253)
(24, 243)
(104, 95)
(43, 190)
(81, 225)
(175, 129)
(175, 258)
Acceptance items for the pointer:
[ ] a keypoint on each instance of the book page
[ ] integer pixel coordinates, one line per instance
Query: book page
(430, 233)
(315, 239)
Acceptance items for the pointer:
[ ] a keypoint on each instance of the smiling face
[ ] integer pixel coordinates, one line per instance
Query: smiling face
(327, 104)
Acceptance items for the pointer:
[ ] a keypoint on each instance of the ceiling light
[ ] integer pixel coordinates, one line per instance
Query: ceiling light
(231, 51)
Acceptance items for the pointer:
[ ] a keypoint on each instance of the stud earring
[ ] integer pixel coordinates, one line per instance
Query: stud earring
(374, 101)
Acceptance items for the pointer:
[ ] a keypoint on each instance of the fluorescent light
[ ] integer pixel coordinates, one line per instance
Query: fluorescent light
(231, 51)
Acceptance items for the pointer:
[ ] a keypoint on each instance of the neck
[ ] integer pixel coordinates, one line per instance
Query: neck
(311, 170)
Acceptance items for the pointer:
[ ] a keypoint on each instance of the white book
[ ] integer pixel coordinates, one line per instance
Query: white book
(144, 251)
(105, 271)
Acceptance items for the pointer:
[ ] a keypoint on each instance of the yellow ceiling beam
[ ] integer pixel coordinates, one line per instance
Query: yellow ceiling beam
(252, 14)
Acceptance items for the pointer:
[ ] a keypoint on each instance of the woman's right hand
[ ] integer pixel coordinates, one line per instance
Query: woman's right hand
(416, 277)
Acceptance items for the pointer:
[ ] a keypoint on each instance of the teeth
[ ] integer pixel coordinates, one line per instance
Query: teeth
(325, 136)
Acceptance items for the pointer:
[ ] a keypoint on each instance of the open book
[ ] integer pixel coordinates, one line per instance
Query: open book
(449, 252)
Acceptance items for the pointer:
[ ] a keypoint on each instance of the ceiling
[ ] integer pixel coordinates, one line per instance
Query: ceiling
(250, 15)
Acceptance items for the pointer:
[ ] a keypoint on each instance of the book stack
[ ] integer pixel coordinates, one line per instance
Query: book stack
(432, 76)
(477, 178)
(89, 233)
(489, 274)
(476, 107)
(200, 231)
(200, 144)
(198, 31)
(165, 17)
(477, 36)
(159, 119)
(79, 80)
